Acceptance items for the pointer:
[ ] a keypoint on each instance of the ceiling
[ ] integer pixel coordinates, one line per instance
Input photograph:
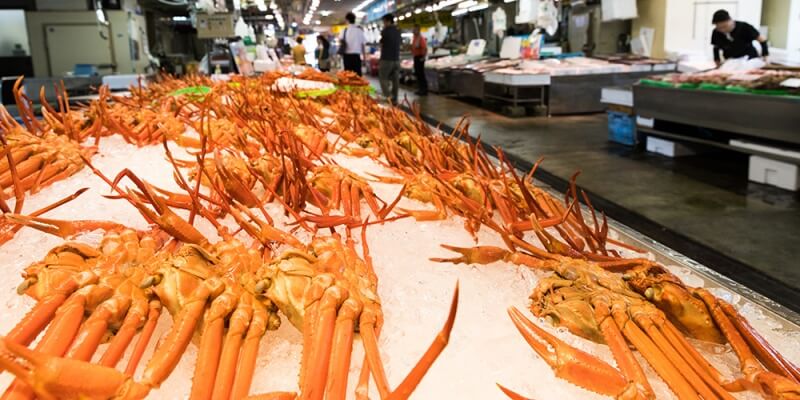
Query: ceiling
(339, 7)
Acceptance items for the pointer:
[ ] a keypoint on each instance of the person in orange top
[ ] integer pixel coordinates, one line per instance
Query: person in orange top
(419, 49)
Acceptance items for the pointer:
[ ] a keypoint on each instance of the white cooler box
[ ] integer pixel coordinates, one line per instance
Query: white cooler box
(667, 147)
(772, 172)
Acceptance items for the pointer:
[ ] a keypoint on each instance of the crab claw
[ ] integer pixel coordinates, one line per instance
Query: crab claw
(776, 386)
(53, 377)
(511, 394)
(568, 363)
(63, 229)
(475, 255)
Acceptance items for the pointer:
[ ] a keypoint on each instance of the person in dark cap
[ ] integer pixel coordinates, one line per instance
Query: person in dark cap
(735, 38)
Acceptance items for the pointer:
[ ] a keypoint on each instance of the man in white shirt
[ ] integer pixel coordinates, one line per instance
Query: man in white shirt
(353, 44)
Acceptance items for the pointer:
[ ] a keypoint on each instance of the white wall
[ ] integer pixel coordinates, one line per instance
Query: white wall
(13, 31)
(119, 30)
(793, 36)
(688, 22)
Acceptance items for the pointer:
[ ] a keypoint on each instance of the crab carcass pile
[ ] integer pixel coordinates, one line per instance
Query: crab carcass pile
(205, 239)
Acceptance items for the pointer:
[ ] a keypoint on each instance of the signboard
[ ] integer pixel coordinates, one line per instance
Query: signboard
(215, 25)
(379, 8)
(531, 45)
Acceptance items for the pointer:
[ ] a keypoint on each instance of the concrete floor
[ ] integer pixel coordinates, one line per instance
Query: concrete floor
(705, 198)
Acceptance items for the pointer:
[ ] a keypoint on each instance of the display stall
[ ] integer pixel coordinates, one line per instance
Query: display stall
(468, 80)
(576, 83)
(288, 234)
(437, 72)
(752, 104)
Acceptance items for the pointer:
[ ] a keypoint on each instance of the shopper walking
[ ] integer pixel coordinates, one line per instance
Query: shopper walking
(323, 53)
(299, 52)
(735, 38)
(389, 66)
(419, 49)
(352, 45)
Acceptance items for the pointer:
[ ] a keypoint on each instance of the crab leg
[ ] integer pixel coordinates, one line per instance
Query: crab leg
(568, 363)
(770, 357)
(328, 302)
(249, 351)
(678, 360)
(56, 340)
(414, 377)
(342, 348)
(237, 328)
(692, 358)
(211, 346)
(650, 351)
(171, 347)
(50, 377)
(630, 368)
(96, 326)
(144, 337)
(755, 376)
(45, 310)
(134, 319)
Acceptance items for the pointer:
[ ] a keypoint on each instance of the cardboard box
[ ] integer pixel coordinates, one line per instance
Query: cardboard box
(771, 172)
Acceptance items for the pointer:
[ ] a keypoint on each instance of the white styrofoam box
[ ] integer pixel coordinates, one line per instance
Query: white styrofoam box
(645, 122)
(265, 65)
(476, 47)
(621, 96)
(667, 147)
(123, 81)
(772, 172)
(619, 9)
(517, 79)
(510, 48)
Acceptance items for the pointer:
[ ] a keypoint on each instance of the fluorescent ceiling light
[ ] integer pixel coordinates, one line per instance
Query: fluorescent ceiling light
(418, 11)
(479, 7)
(467, 4)
(460, 11)
(325, 13)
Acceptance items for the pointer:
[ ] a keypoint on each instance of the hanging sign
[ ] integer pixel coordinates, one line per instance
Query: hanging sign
(376, 10)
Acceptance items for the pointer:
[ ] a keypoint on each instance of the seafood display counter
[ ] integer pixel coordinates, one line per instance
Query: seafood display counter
(757, 116)
(249, 237)
(569, 86)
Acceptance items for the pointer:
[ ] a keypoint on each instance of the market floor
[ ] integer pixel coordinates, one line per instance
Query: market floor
(703, 200)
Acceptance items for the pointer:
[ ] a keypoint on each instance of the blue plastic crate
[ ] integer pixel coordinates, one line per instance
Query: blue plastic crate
(621, 128)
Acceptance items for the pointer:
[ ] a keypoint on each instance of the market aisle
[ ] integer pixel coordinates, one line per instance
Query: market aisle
(706, 199)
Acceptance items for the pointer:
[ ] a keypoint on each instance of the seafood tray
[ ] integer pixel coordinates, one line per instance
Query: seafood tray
(406, 248)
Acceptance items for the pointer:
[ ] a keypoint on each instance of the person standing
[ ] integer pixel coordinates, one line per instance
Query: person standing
(735, 38)
(389, 67)
(419, 49)
(299, 52)
(353, 44)
(323, 53)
